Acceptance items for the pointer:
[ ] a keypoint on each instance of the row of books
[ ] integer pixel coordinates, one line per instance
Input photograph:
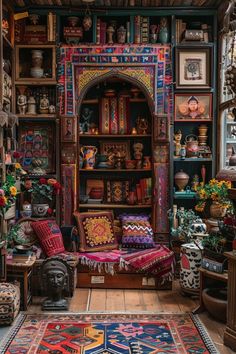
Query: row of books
(101, 32)
(141, 29)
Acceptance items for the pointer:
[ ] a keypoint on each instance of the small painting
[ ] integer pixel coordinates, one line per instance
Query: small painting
(68, 129)
(110, 147)
(193, 69)
(190, 107)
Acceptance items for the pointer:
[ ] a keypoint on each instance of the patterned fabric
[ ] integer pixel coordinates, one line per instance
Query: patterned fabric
(109, 333)
(9, 302)
(137, 232)
(124, 115)
(96, 231)
(49, 236)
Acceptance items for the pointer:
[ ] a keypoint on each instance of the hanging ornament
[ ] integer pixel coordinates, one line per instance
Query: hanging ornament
(87, 21)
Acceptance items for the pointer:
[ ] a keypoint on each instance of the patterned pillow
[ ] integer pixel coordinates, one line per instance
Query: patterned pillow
(137, 232)
(50, 237)
(96, 231)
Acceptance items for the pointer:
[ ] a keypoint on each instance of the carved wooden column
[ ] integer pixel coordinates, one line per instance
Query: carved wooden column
(230, 332)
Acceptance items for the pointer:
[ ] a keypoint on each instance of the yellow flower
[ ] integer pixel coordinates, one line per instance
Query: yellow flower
(52, 181)
(200, 207)
(212, 182)
(5, 200)
(17, 165)
(202, 194)
(13, 191)
(214, 196)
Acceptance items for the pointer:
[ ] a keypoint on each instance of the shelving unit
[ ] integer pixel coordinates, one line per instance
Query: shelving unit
(187, 52)
(121, 177)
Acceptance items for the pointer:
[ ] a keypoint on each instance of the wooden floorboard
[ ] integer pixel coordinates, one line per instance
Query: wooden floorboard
(115, 300)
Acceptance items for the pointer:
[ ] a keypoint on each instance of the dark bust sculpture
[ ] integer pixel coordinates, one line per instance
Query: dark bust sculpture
(54, 276)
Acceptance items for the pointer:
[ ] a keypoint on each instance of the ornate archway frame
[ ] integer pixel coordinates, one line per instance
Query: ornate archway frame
(149, 68)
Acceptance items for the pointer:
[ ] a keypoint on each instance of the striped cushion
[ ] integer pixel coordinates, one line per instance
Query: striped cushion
(137, 233)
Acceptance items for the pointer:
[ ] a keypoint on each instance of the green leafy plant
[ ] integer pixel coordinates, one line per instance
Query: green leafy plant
(8, 194)
(43, 189)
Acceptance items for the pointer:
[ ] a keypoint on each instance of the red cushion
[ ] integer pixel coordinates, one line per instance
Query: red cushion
(50, 236)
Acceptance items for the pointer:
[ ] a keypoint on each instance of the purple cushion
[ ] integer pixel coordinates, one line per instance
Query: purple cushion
(137, 232)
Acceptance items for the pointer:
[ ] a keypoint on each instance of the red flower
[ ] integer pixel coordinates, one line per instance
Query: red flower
(2, 202)
(49, 211)
(28, 184)
(42, 181)
(57, 187)
(16, 154)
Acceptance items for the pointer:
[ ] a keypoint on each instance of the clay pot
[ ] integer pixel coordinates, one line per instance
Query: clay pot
(191, 146)
(215, 301)
(217, 211)
(181, 180)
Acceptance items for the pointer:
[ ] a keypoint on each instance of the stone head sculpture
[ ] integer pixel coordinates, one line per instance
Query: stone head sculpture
(54, 277)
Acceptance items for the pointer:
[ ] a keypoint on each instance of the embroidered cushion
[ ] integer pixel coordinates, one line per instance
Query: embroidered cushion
(96, 231)
(137, 232)
(50, 237)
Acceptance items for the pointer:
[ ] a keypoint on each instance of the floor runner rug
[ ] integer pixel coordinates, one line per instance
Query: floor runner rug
(105, 333)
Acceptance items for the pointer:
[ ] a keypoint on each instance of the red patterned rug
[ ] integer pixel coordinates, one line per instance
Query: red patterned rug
(107, 334)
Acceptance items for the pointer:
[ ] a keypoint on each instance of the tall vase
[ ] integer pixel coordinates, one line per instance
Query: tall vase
(89, 153)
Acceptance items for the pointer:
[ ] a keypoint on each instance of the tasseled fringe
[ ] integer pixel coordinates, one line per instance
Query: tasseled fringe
(99, 266)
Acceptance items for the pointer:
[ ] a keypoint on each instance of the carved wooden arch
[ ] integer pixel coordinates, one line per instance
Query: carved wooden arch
(117, 72)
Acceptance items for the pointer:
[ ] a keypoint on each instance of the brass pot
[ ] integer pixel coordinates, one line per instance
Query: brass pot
(181, 180)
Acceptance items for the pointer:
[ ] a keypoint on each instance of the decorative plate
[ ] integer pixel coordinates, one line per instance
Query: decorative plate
(25, 234)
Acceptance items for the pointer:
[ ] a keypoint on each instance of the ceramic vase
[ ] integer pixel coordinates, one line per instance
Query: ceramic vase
(181, 180)
(40, 209)
(89, 154)
(190, 261)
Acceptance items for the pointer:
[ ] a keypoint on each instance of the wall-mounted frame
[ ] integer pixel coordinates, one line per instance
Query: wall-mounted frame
(193, 107)
(68, 129)
(37, 147)
(161, 129)
(193, 68)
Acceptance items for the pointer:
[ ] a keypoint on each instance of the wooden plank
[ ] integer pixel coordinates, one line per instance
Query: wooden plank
(167, 299)
(97, 300)
(79, 300)
(152, 301)
(134, 300)
(115, 300)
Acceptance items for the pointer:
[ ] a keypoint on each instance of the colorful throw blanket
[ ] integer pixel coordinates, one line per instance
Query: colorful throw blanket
(158, 261)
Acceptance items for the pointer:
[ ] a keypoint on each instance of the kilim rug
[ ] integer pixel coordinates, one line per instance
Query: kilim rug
(107, 334)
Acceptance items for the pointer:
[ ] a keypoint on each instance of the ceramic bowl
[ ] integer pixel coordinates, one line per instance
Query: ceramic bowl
(215, 301)
(26, 213)
(22, 248)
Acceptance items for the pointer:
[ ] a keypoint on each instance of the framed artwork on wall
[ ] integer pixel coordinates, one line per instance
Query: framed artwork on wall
(68, 129)
(37, 147)
(191, 106)
(193, 68)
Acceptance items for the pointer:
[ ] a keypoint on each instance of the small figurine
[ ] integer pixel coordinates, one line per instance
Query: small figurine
(86, 119)
(52, 109)
(138, 154)
(110, 32)
(22, 104)
(31, 105)
(177, 142)
(44, 104)
(142, 125)
(121, 35)
(195, 182)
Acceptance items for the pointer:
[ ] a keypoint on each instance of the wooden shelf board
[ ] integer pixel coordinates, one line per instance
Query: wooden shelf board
(35, 82)
(119, 136)
(115, 170)
(193, 120)
(92, 101)
(114, 206)
(138, 100)
(192, 159)
(32, 116)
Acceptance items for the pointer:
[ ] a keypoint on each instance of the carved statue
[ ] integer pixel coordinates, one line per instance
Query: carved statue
(22, 104)
(44, 104)
(86, 117)
(142, 125)
(55, 279)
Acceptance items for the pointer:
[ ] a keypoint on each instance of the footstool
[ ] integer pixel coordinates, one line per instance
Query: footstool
(9, 302)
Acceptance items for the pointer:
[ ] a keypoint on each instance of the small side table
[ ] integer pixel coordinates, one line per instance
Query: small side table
(20, 268)
(204, 274)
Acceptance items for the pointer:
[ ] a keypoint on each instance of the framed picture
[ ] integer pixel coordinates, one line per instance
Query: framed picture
(109, 147)
(37, 147)
(189, 107)
(68, 129)
(161, 128)
(193, 68)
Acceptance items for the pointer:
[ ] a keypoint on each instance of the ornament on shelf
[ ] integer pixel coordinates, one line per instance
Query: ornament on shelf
(22, 100)
(181, 180)
(177, 142)
(31, 105)
(37, 60)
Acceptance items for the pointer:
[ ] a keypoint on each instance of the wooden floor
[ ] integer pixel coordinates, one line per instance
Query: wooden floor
(140, 300)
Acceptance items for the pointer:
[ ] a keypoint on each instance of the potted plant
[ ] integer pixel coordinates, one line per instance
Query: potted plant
(8, 194)
(215, 196)
(42, 193)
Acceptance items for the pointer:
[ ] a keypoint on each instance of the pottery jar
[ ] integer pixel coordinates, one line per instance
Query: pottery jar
(89, 153)
(181, 180)
(191, 145)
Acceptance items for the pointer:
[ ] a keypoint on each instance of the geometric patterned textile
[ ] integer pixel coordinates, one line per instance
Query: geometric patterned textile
(96, 231)
(109, 334)
(9, 302)
(137, 234)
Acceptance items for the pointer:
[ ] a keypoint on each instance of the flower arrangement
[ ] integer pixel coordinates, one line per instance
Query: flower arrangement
(8, 194)
(42, 189)
(216, 191)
